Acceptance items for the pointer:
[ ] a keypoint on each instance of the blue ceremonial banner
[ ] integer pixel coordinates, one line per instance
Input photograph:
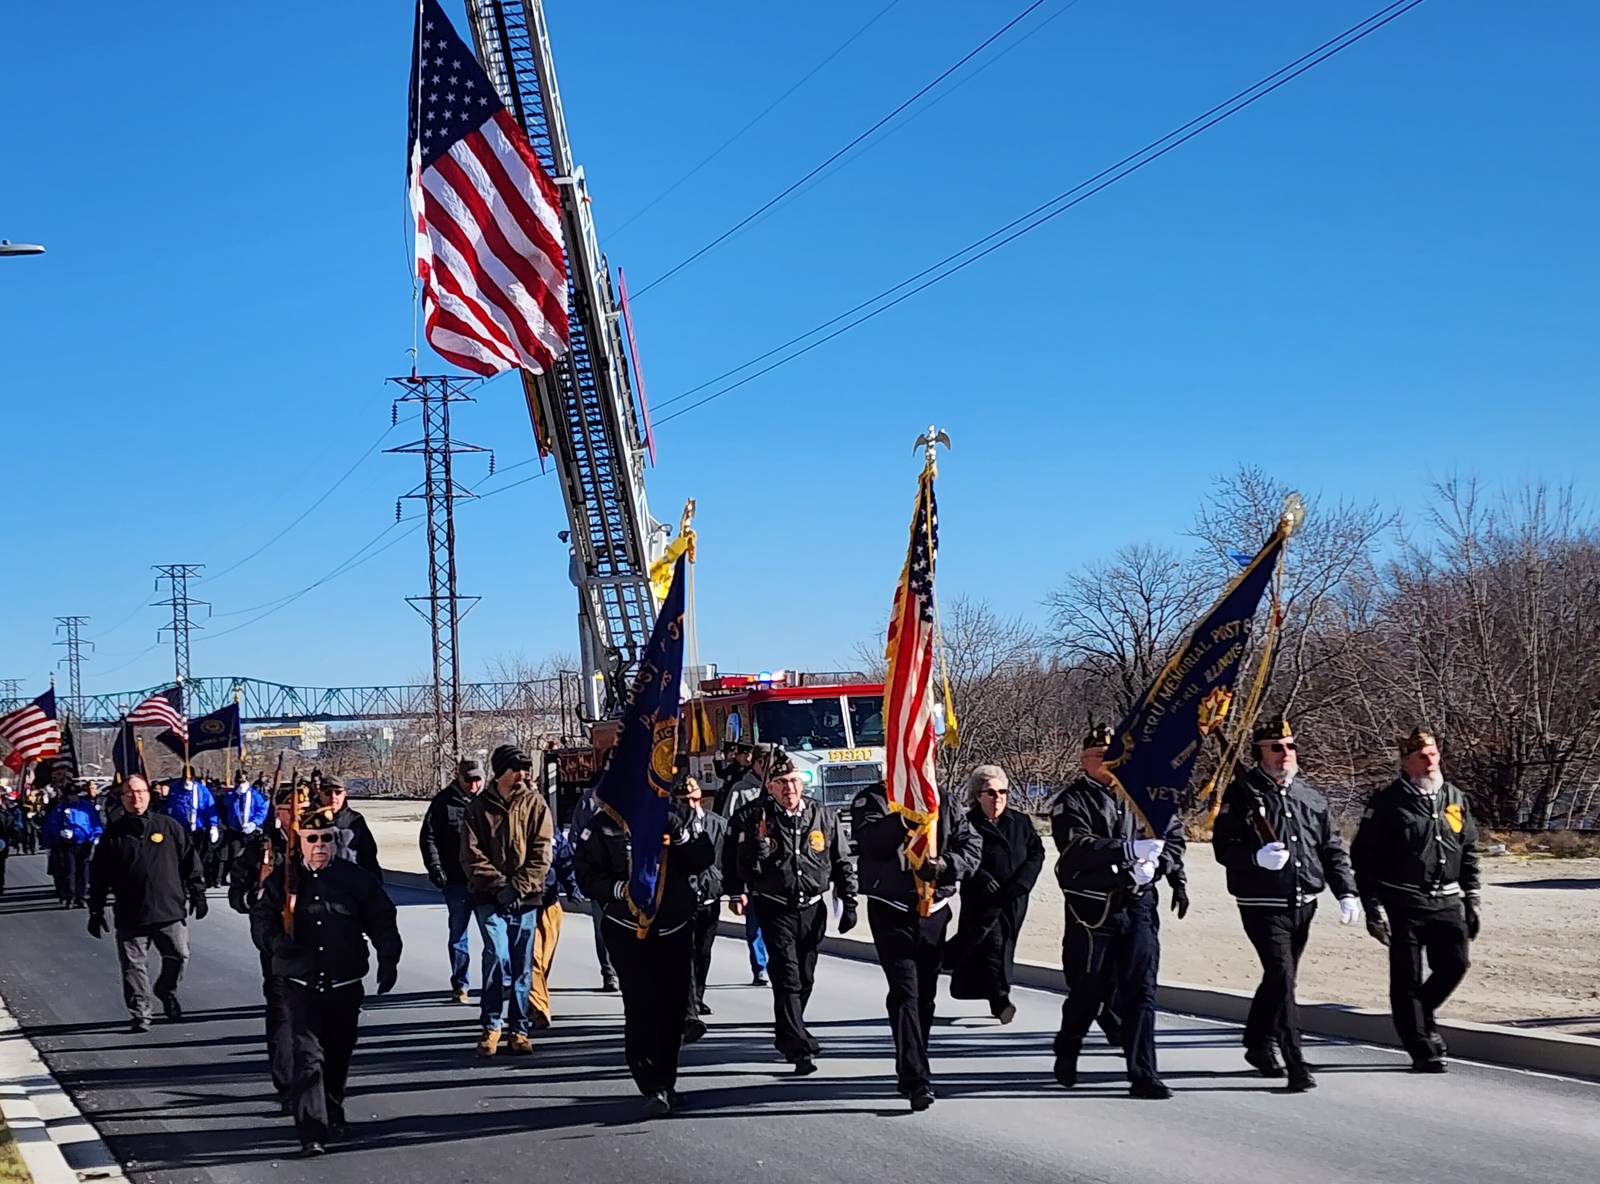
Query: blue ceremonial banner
(636, 787)
(1153, 753)
(208, 733)
(125, 753)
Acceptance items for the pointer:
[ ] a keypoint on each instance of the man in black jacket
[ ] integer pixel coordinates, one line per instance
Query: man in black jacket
(356, 843)
(1274, 837)
(259, 853)
(1112, 942)
(318, 946)
(1416, 864)
(441, 856)
(994, 900)
(788, 849)
(655, 969)
(708, 891)
(147, 864)
(909, 941)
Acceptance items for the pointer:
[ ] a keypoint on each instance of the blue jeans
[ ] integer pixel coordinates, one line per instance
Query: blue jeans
(507, 965)
(455, 901)
(758, 947)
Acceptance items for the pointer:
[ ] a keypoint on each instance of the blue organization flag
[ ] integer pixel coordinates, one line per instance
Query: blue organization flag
(636, 787)
(125, 752)
(1153, 753)
(208, 733)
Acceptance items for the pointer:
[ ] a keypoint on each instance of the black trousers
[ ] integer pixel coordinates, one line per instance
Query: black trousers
(910, 950)
(703, 943)
(1441, 935)
(1118, 959)
(280, 1040)
(322, 1031)
(793, 937)
(654, 975)
(71, 870)
(1279, 936)
(3, 855)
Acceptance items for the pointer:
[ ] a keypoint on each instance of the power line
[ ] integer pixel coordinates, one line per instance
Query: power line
(1038, 216)
(984, 44)
(765, 111)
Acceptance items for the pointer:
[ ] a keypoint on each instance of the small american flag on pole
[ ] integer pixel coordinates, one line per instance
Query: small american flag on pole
(162, 710)
(490, 250)
(911, 744)
(32, 731)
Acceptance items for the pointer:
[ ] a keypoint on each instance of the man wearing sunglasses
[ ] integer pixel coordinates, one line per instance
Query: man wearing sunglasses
(318, 946)
(1274, 837)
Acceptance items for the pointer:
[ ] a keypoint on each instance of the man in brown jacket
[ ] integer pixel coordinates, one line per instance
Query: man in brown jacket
(506, 837)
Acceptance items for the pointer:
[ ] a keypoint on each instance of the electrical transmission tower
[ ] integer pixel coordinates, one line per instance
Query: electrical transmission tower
(74, 660)
(177, 576)
(438, 491)
(10, 691)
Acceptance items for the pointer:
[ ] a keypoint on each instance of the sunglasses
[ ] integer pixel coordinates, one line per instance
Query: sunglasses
(993, 793)
(1282, 746)
(318, 837)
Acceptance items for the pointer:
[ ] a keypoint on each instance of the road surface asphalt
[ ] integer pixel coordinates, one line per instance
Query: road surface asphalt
(190, 1100)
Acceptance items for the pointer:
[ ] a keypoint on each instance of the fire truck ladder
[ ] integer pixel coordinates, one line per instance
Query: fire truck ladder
(585, 402)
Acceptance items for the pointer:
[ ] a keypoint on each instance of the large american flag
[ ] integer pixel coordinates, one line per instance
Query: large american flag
(162, 710)
(488, 219)
(32, 731)
(911, 745)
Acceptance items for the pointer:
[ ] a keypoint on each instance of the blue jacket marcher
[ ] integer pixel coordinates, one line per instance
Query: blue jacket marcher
(563, 877)
(81, 819)
(191, 803)
(244, 809)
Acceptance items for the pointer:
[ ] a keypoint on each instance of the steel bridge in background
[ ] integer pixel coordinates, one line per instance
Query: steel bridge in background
(263, 702)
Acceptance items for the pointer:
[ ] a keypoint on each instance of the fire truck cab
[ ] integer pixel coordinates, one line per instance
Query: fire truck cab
(830, 724)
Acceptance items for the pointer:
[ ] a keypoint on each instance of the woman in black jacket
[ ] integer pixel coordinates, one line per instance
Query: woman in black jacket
(994, 900)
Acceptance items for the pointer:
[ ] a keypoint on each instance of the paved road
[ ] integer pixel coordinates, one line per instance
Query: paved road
(189, 1101)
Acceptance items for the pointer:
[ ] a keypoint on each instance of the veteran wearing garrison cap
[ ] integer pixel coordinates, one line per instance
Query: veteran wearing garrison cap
(1416, 864)
(1274, 837)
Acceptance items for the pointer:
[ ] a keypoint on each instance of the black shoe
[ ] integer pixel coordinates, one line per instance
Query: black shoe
(1440, 1048)
(1151, 1088)
(1006, 1012)
(759, 979)
(339, 1129)
(310, 1149)
(608, 985)
(675, 1099)
(701, 1008)
(1300, 1079)
(658, 1105)
(1066, 1071)
(693, 1030)
(139, 1024)
(804, 1066)
(921, 1098)
(172, 1008)
(1264, 1061)
(1428, 1065)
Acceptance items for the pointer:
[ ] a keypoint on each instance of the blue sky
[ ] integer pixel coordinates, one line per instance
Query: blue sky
(1378, 275)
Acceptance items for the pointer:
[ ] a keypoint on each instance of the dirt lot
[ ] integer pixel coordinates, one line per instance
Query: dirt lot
(1537, 963)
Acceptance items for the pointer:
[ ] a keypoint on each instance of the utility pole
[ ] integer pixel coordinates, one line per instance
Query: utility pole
(73, 661)
(438, 491)
(177, 576)
(10, 692)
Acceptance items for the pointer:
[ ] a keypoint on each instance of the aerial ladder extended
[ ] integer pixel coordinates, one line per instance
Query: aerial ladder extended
(582, 408)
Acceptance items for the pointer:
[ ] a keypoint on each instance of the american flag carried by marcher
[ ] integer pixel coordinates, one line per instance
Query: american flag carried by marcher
(910, 703)
(162, 710)
(491, 255)
(32, 731)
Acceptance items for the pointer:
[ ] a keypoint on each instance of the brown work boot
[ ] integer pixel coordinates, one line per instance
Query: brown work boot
(520, 1045)
(460, 995)
(489, 1042)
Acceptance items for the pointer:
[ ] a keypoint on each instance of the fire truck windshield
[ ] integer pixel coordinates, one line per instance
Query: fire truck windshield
(801, 724)
(866, 720)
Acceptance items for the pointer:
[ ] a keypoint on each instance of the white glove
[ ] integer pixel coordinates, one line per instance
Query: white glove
(249, 828)
(1273, 856)
(66, 832)
(1143, 872)
(1146, 850)
(1349, 910)
(212, 833)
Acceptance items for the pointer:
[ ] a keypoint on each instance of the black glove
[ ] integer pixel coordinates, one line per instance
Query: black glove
(1180, 899)
(239, 897)
(1474, 921)
(386, 978)
(1378, 925)
(508, 897)
(97, 924)
(436, 878)
(764, 847)
(847, 919)
(986, 884)
(198, 907)
(928, 873)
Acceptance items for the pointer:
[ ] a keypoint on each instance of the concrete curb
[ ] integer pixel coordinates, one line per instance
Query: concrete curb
(1495, 1044)
(58, 1145)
